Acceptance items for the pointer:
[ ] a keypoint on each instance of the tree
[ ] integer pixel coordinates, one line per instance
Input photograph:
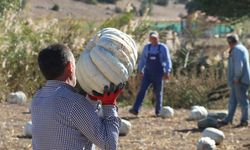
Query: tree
(232, 10)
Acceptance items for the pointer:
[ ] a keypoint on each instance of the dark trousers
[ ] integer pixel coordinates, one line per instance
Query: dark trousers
(157, 83)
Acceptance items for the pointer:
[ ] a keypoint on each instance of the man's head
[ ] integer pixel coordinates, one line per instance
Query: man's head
(154, 37)
(57, 62)
(232, 40)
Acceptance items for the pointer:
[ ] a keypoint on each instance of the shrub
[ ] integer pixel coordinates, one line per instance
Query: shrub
(6, 5)
(21, 40)
(108, 1)
(56, 7)
(118, 22)
(91, 1)
(162, 2)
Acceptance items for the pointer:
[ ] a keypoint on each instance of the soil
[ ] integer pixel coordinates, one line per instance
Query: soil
(147, 133)
(96, 13)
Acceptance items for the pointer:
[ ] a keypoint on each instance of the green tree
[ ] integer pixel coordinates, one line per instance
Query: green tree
(224, 9)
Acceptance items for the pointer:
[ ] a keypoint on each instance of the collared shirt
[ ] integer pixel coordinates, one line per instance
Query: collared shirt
(64, 120)
(238, 65)
(165, 57)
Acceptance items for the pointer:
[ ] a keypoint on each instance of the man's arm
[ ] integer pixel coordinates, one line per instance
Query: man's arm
(103, 132)
(237, 57)
(143, 59)
(166, 60)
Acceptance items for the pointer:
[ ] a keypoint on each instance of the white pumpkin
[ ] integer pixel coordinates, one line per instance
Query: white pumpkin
(125, 127)
(206, 143)
(12, 98)
(198, 113)
(167, 112)
(215, 134)
(28, 129)
(17, 98)
(109, 57)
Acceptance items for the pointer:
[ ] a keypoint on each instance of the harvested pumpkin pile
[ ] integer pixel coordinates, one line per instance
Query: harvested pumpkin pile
(146, 133)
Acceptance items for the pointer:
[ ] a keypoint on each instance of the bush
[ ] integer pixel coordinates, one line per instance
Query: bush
(118, 22)
(6, 5)
(118, 10)
(108, 1)
(91, 1)
(56, 7)
(162, 2)
(20, 42)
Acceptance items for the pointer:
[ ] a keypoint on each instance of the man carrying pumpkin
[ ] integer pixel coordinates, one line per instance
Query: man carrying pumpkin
(154, 66)
(62, 118)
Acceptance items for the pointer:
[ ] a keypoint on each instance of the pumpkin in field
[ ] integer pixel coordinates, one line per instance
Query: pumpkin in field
(28, 129)
(166, 112)
(125, 127)
(17, 98)
(215, 134)
(206, 143)
(109, 57)
(198, 113)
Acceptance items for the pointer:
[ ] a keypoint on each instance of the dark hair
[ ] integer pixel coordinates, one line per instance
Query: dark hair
(232, 39)
(53, 60)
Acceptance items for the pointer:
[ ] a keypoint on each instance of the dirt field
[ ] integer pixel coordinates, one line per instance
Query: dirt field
(148, 132)
(96, 13)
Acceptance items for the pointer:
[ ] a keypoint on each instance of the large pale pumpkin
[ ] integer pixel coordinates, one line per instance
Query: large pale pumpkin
(109, 57)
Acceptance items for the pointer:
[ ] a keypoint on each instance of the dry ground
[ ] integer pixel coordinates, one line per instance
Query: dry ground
(148, 132)
(95, 13)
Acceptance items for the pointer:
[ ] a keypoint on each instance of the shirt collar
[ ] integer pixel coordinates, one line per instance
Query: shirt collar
(57, 83)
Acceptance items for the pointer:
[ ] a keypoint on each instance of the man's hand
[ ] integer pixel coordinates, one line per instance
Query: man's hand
(166, 76)
(110, 94)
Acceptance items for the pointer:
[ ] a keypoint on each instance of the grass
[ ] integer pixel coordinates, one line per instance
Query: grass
(20, 41)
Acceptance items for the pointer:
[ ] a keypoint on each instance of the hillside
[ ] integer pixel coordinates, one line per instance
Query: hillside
(99, 12)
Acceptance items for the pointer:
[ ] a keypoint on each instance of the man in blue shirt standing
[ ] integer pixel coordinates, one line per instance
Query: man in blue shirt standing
(154, 66)
(238, 80)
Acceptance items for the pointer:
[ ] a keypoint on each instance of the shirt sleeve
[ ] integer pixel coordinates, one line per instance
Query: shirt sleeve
(166, 60)
(143, 59)
(237, 56)
(102, 131)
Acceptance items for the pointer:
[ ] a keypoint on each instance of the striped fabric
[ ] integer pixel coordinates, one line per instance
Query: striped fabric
(64, 120)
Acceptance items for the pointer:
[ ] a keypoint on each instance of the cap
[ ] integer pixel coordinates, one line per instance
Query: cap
(233, 38)
(154, 34)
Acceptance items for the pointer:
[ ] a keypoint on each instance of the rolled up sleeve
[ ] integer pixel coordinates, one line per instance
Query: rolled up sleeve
(142, 61)
(237, 57)
(166, 60)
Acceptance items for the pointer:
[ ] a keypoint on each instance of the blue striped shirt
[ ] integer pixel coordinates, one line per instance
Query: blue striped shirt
(64, 120)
